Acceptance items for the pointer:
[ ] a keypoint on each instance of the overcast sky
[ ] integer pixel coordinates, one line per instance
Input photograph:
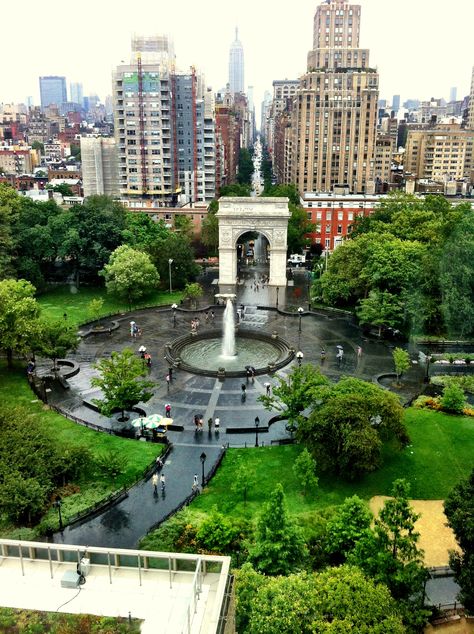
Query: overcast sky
(421, 47)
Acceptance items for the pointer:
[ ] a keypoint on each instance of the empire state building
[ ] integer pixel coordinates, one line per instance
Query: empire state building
(236, 65)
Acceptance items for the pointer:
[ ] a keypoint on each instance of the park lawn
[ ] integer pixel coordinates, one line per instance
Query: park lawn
(59, 301)
(440, 455)
(94, 487)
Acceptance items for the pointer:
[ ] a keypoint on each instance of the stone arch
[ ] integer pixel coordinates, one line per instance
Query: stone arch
(268, 216)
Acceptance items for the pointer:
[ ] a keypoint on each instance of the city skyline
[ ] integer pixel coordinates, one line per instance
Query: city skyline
(431, 47)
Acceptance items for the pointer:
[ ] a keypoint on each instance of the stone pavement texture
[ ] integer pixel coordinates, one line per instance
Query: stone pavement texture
(190, 394)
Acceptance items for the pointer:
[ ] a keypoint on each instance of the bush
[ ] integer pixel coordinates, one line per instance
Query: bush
(453, 399)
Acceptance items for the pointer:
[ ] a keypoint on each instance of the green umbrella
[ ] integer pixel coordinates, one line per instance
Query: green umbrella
(154, 418)
(152, 424)
(139, 422)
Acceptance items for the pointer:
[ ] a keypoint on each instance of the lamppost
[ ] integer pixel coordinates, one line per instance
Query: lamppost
(278, 290)
(174, 308)
(202, 457)
(57, 504)
(299, 356)
(427, 368)
(170, 262)
(257, 423)
(300, 313)
(309, 290)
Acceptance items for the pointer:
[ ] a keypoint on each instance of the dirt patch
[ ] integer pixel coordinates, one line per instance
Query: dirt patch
(436, 538)
(460, 627)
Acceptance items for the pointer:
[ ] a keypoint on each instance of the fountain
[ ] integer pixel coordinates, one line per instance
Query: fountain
(228, 337)
(218, 353)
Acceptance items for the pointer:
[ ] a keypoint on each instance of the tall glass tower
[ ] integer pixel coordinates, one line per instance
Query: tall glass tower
(236, 65)
(52, 90)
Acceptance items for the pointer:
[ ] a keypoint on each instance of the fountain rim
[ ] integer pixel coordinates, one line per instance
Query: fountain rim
(172, 352)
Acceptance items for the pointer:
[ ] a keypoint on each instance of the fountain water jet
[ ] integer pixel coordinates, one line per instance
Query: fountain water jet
(228, 338)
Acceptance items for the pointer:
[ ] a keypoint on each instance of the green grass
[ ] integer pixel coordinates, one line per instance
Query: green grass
(440, 455)
(56, 302)
(14, 391)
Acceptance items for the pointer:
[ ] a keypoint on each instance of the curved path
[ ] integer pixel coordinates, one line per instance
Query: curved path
(125, 523)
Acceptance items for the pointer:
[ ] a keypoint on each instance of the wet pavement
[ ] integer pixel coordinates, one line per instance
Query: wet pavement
(189, 394)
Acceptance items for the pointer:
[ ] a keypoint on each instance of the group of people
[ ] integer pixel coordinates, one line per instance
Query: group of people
(339, 354)
(209, 316)
(161, 479)
(135, 330)
(145, 355)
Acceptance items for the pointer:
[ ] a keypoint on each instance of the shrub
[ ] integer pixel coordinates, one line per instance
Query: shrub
(453, 399)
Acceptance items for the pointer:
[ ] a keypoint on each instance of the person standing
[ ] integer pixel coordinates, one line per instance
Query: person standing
(217, 423)
(154, 481)
(168, 410)
(359, 352)
(267, 387)
(168, 383)
(209, 424)
(244, 391)
(162, 481)
(195, 482)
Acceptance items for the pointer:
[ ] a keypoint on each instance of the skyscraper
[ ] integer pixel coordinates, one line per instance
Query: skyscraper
(453, 94)
(76, 93)
(52, 90)
(333, 125)
(236, 65)
(470, 120)
(396, 103)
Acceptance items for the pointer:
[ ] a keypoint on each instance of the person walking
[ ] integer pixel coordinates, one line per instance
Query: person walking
(163, 481)
(209, 424)
(268, 388)
(168, 383)
(195, 482)
(168, 410)
(154, 481)
(217, 423)
(244, 391)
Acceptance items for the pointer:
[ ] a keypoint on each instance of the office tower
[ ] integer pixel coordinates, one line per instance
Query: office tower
(470, 116)
(396, 103)
(333, 124)
(99, 166)
(453, 94)
(236, 65)
(52, 90)
(76, 93)
(265, 113)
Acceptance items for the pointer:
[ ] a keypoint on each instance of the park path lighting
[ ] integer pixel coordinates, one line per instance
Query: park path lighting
(300, 313)
(170, 262)
(58, 504)
(299, 356)
(257, 425)
(202, 458)
(427, 368)
(277, 290)
(174, 307)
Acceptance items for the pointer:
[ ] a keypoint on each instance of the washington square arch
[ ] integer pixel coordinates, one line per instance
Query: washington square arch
(266, 216)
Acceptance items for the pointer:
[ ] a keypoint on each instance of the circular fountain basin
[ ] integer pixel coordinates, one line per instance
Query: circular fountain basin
(201, 354)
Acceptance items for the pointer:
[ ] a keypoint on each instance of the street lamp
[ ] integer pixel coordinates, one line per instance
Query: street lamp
(170, 262)
(278, 290)
(174, 308)
(300, 313)
(299, 356)
(57, 504)
(257, 423)
(202, 457)
(427, 368)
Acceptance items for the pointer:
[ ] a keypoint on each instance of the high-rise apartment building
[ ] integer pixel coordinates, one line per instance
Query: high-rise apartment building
(470, 120)
(99, 166)
(396, 103)
(236, 65)
(52, 90)
(164, 127)
(334, 121)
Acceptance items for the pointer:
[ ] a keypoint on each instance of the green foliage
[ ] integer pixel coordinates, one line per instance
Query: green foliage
(453, 398)
(178, 534)
(54, 339)
(296, 393)
(141, 231)
(95, 308)
(244, 481)
(245, 167)
(193, 291)
(112, 463)
(381, 309)
(304, 469)
(16, 621)
(18, 317)
(279, 546)
(337, 600)
(459, 509)
(219, 534)
(236, 189)
(389, 554)
(401, 361)
(345, 429)
(465, 381)
(130, 274)
(120, 382)
(178, 247)
(9, 206)
(347, 526)
(62, 188)
(210, 230)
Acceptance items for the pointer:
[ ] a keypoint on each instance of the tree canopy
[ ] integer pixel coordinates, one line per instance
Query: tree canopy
(19, 311)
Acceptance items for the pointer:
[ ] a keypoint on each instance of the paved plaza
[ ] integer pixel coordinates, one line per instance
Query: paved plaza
(190, 394)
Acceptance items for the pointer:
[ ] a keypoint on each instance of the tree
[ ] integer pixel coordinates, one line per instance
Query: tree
(459, 509)
(210, 231)
(130, 274)
(183, 224)
(381, 308)
(94, 308)
(346, 527)
(37, 145)
(453, 398)
(245, 167)
(219, 534)
(177, 247)
(18, 317)
(401, 360)
(9, 206)
(244, 479)
(337, 600)
(347, 424)
(279, 547)
(141, 231)
(390, 554)
(236, 189)
(193, 292)
(296, 393)
(63, 188)
(304, 469)
(54, 339)
(120, 383)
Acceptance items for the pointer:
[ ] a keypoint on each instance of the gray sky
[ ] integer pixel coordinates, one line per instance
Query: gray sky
(421, 47)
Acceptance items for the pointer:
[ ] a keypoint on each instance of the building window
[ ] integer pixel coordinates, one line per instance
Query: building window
(340, 215)
(310, 215)
(339, 229)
